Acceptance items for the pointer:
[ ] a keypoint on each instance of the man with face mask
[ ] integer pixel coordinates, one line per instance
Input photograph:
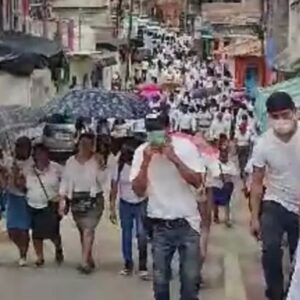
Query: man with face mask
(165, 169)
(276, 156)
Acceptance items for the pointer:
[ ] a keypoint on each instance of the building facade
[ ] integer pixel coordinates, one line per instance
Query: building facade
(277, 27)
(170, 11)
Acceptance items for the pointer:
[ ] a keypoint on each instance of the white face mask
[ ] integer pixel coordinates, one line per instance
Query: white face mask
(283, 126)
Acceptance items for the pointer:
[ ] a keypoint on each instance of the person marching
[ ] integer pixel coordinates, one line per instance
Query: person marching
(165, 168)
(276, 156)
(17, 210)
(224, 172)
(42, 184)
(132, 211)
(82, 184)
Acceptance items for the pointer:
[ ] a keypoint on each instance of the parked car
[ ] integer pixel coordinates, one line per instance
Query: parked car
(60, 139)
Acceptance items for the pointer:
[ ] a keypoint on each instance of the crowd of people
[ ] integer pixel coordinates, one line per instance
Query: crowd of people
(161, 183)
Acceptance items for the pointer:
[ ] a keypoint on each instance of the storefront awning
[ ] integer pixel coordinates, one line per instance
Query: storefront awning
(111, 45)
(107, 61)
(115, 44)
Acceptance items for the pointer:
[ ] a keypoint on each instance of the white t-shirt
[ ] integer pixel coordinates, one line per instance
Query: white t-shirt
(50, 179)
(170, 197)
(25, 166)
(218, 168)
(124, 185)
(186, 122)
(204, 119)
(282, 162)
(218, 127)
(145, 65)
(242, 139)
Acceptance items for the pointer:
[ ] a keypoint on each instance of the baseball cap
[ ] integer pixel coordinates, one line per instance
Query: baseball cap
(280, 101)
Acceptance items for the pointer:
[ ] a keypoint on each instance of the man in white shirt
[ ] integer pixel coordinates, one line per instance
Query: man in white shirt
(186, 121)
(218, 127)
(243, 141)
(145, 67)
(276, 156)
(166, 169)
(204, 119)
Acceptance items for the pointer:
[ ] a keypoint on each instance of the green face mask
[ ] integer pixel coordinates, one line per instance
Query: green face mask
(157, 137)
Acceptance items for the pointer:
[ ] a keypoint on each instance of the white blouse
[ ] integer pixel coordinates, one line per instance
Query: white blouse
(86, 177)
(217, 168)
(50, 178)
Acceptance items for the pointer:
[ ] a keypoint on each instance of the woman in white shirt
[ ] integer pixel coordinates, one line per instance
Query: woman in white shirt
(82, 183)
(42, 184)
(132, 210)
(223, 174)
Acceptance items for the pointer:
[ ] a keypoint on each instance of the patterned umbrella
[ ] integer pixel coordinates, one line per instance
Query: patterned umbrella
(98, 103)
(15, 119)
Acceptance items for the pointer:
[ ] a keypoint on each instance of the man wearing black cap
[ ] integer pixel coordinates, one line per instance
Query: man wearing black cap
(276, 157)
(168, 170)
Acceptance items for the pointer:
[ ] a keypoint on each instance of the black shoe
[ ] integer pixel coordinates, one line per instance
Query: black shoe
(59, 256)
(92, 264)
(86, 270)
(40, 263)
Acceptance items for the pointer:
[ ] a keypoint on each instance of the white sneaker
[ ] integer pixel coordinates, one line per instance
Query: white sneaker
(144, 275)
(22, 262)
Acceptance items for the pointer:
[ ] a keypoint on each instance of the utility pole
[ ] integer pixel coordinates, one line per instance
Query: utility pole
(45, 17)
(79, 28)
(118, 16)
(129, 54)
(262, 26)
(262, 33)
(1, 15)
(185, 12)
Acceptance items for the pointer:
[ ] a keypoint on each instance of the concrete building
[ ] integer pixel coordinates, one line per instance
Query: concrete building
(277, 28)
(232, 19)
(288, 60)
(90, 12)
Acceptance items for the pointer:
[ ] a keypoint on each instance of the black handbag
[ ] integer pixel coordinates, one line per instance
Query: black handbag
(82, 202)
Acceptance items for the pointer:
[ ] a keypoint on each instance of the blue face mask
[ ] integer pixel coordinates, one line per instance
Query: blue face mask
(157, 137)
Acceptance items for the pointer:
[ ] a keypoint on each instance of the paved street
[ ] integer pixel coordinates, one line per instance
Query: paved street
(232, 269)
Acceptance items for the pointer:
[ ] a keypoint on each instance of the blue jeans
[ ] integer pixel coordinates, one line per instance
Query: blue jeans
(130, 214)
(275, 221)
(165, 242)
